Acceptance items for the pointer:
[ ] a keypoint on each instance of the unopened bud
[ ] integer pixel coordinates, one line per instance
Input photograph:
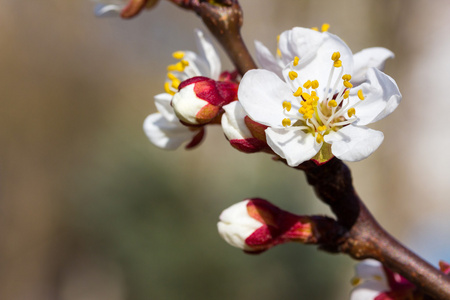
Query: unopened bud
(237, 131)
(200, 99)
(445, 267)
(256, 225)
(236, 225)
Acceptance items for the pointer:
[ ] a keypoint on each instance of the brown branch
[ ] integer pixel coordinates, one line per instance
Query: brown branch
(365, 238)
(224, 19)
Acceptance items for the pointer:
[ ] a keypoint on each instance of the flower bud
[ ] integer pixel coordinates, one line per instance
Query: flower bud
(445, 267)
(256, 225)
(375, 281)
(236, 225)
(165, 130)
(200, 99)
(239, 134)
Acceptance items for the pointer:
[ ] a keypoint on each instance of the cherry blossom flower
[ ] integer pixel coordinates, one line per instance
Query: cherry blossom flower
(370, 280)
(318, 110)
(164, 128)
(373, 281)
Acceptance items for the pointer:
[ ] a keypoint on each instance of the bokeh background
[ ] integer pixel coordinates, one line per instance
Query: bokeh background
(89, 209)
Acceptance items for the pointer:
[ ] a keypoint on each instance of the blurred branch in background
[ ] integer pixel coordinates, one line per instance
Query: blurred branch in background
(83, 194)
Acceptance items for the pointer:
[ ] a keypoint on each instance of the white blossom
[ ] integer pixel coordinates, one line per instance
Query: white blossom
(319, 109)
(164, 128)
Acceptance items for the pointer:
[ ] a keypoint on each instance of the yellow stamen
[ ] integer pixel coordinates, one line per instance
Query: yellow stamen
(332, 103)
(175, 83)
(361, 95)
(315, 28)
(296, 59)
(292, 75)
(355, 281)
(287, 105)
(351, 111)
(346, 93)
(348, 85)
(347, 77)
(319, 138)
(184, 62)
(302, 110)
(178, 55)
(335, 57)
(176, 67)
(315, 84)
(278, 49)
(306, 96)
(167, 88)
(171, 76)
(337, 64)
(307, 116)
(325, 27)
(171, 68)
(377, 277)
(286, 122)
(322, 128)
(307, 84)
(299, 91)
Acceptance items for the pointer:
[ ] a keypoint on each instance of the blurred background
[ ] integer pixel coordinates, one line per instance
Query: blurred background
(89, 209)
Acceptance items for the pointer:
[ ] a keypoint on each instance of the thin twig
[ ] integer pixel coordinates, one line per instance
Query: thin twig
(224, 20)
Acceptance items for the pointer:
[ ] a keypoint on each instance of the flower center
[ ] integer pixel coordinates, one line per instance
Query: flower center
(320, 116)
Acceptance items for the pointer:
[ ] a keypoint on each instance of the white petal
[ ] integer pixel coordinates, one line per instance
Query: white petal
(370, 269)
(162, 103)
(165, 134)
(317, 65)
(368, 290)
(262, 93)
(266, 59)
(382, 97)
(301, 42)
(198, 65)
(292, 144)
(233, 123)
(108, 10)
(235, 225)
(369, 58)
(208, 51)
(354, 143)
